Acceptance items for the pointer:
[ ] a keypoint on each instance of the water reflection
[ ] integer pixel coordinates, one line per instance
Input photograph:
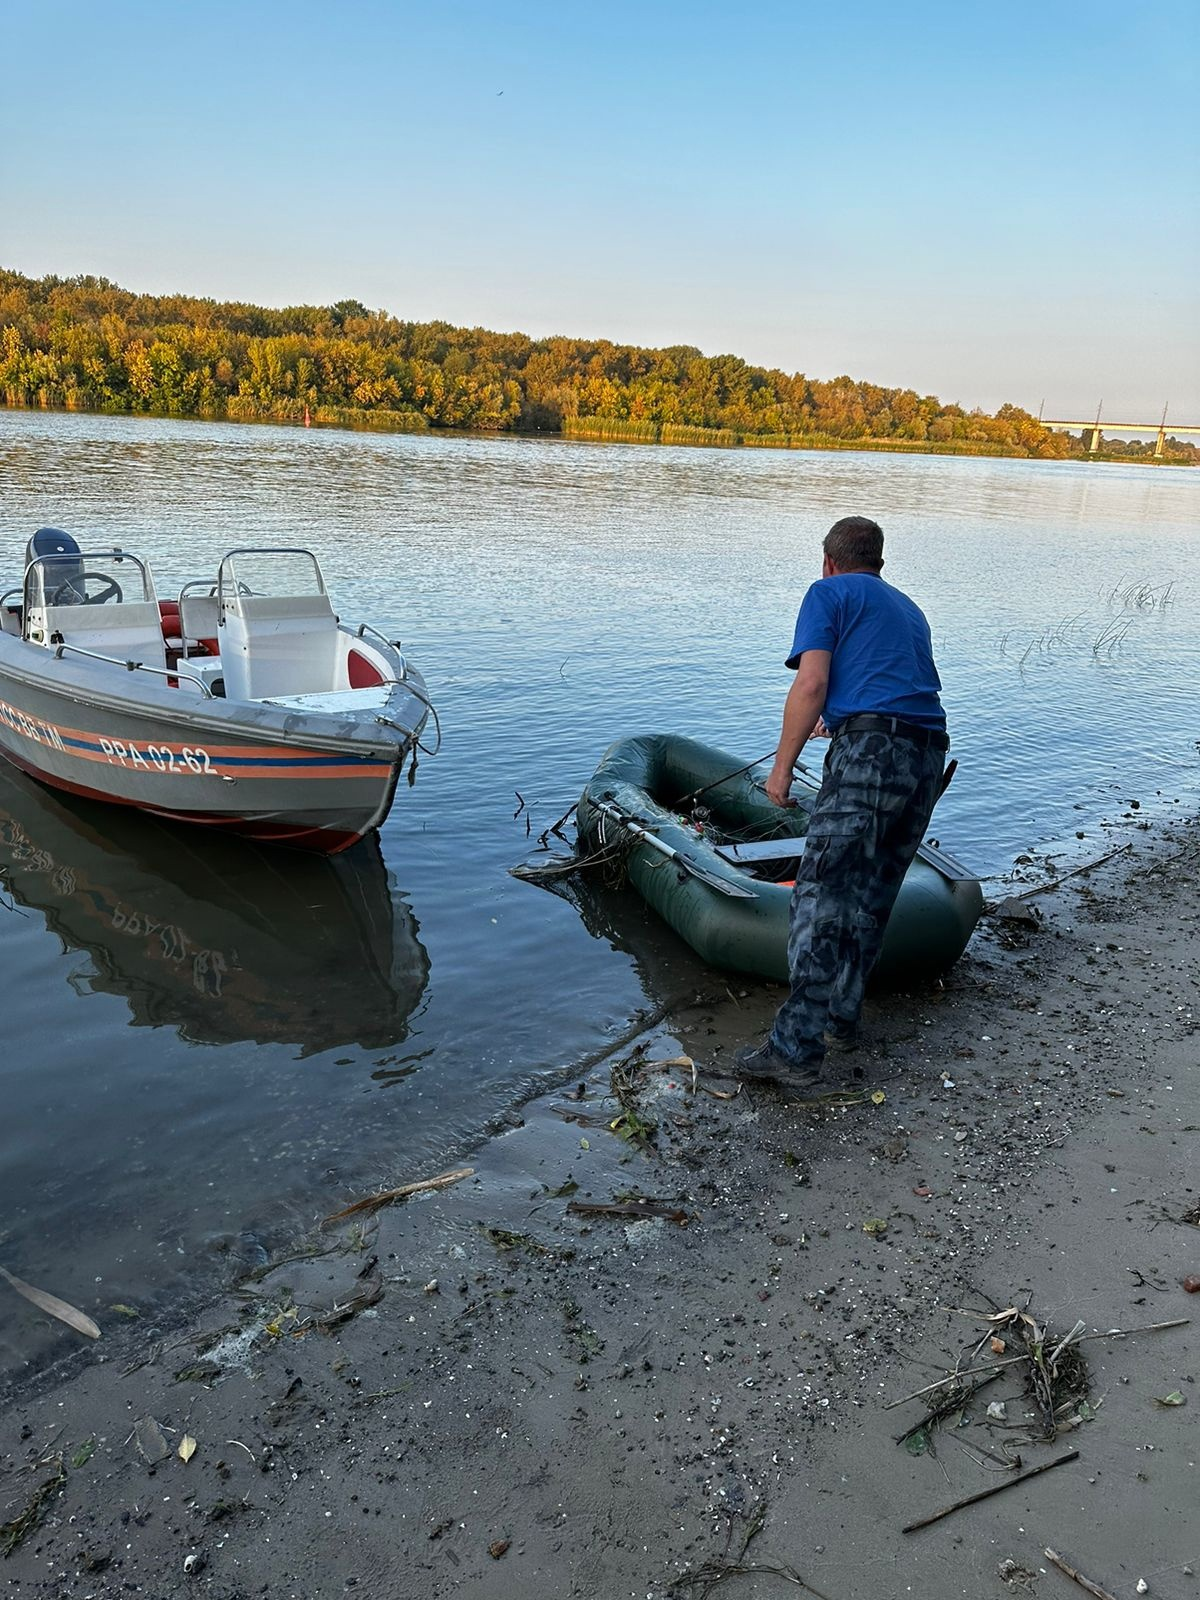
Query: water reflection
(215, 937)
(668, 969)
(559, 595)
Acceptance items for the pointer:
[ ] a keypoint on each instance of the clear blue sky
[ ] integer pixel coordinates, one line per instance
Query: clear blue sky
(983, 202)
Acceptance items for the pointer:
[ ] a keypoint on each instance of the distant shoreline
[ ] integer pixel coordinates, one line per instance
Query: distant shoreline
(86, 344)
(347, 420)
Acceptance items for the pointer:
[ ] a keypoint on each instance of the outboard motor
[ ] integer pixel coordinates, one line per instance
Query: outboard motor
(62, 565)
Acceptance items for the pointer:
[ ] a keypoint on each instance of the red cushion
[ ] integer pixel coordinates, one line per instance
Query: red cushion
(364, 674)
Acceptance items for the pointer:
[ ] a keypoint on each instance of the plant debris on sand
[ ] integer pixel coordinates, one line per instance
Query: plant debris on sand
(545, 1381)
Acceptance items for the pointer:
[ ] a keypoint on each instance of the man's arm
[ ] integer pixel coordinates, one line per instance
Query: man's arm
(801, 713)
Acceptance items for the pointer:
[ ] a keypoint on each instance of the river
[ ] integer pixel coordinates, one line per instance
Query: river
(207, 1047)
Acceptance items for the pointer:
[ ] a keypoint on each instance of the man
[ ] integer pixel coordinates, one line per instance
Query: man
(864, 673)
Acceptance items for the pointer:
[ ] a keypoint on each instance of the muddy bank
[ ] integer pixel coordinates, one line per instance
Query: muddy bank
(485, 1392)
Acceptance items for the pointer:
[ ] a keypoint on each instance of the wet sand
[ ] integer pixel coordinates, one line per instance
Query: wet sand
(479, 1393)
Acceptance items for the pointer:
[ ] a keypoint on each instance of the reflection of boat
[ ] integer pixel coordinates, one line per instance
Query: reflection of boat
(215, 936)
(719, 878)
(670, 972)
(245, 705)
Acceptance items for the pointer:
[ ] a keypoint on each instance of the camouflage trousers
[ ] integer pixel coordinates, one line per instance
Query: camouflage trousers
(877, 796)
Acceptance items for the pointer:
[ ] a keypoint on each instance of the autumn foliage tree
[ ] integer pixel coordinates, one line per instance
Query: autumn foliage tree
(86, 344)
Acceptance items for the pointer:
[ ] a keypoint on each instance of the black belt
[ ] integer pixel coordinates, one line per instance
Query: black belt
(869, 722)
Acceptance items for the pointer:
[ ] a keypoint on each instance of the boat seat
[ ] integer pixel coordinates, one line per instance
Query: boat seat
(761, 850)
(172, 638)
(740, 855)
(128, 631)
(199, 616)
(278, 645)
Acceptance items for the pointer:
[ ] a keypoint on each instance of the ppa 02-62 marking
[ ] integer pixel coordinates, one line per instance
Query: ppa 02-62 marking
(160, 758)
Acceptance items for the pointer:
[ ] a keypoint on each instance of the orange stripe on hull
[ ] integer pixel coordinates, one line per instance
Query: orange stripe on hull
(249, 761)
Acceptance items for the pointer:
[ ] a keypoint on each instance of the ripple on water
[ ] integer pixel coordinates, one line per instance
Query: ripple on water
(205, 1049)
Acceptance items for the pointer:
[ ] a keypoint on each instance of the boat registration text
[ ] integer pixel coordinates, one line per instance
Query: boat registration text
(190, 759)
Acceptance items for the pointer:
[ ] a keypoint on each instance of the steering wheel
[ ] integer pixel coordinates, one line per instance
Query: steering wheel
(70, 593)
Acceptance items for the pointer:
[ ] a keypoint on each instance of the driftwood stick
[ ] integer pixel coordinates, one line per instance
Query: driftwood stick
(954, 1377)
(1149, 1327)
(1044, 888)
(956, 1397)
(1013, 1361)
(629, 1208)
(996, 1488)
(1074, 1572)
(1070, 1338)
(385, 1197)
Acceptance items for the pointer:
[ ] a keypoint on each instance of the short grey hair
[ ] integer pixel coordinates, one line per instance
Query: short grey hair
(855, 542)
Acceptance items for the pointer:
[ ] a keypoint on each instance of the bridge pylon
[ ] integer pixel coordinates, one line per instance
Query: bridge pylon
(1162, 435)
(1095, 444)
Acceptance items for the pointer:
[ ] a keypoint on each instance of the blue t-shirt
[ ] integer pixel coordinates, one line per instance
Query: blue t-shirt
(881, 653)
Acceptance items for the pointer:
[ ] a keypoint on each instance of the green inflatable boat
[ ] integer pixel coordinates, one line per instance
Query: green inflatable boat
(700, 841)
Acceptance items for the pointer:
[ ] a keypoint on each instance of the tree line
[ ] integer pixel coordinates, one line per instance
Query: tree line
(84, 343)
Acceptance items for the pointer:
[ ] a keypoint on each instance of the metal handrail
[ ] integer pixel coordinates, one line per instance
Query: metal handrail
(134, 666)
(392, 644)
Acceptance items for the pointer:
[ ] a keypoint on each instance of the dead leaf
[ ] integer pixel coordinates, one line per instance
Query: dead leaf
(187, 1447)
(53, 1306)
(998, 1347)
(875, 1226)
(498, 1547)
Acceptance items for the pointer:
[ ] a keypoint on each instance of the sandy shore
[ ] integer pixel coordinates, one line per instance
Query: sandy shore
(482, 1393)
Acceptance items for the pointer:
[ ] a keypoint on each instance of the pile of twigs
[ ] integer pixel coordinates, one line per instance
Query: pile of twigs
(1053, 1366)
(1055, 1372)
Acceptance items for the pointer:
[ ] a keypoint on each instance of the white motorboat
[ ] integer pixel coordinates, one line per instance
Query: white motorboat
(244, 703)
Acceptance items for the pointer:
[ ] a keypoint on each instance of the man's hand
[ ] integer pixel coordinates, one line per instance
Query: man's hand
(801, 714)
(820, 731)
(779, 786)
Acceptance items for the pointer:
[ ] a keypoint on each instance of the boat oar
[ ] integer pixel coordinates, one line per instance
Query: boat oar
(685, 863)
(690, 799)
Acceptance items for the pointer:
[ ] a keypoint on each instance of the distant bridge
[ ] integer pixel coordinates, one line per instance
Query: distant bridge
(1159, 429)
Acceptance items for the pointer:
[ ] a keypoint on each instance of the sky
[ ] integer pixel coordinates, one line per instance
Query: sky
(980, 202)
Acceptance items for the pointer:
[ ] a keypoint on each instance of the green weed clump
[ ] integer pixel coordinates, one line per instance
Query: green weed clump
(619, 429)
(683, 433)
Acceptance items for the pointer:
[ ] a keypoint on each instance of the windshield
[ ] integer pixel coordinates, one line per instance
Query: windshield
(279, 574)
(107, 577)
